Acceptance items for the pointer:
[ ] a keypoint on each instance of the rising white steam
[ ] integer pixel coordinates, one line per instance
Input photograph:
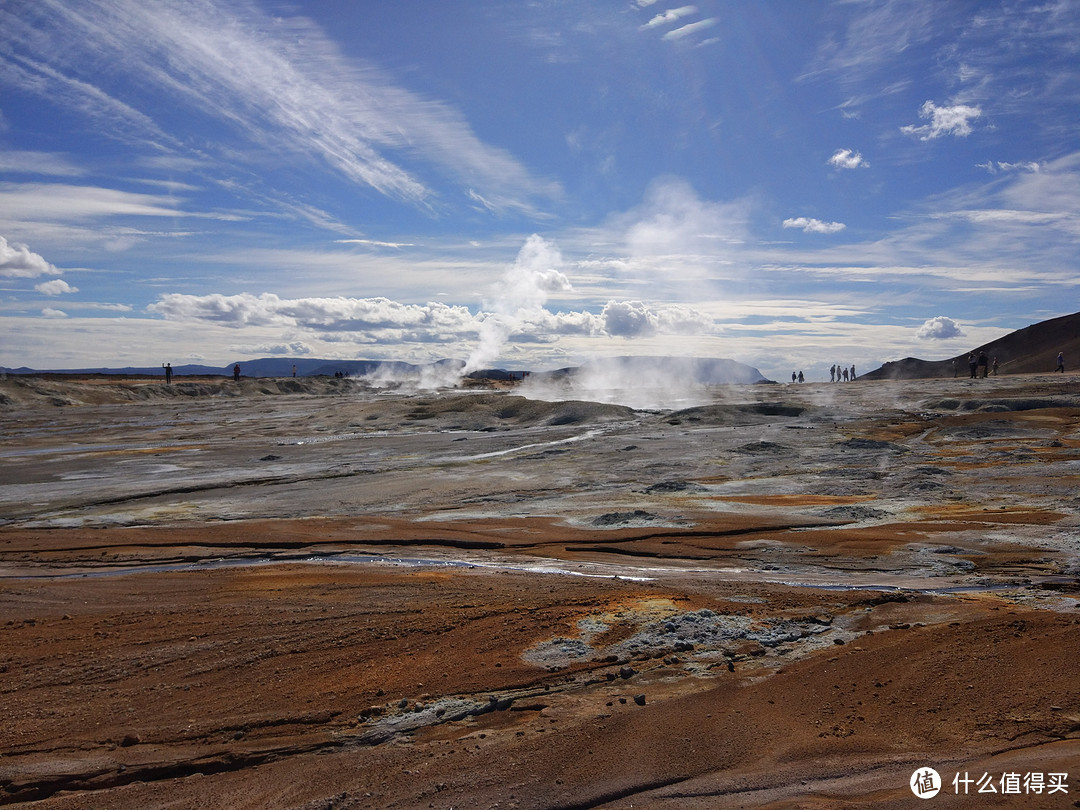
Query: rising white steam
(517, 299)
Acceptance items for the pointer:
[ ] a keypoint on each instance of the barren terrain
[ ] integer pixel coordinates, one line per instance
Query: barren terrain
(316, 594)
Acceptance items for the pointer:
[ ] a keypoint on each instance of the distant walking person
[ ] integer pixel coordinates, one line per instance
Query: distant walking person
(832, 373)
(294, 369)
(801, 377)
(852, 371)
(794, 376)
(1061, 362)
(973, 365)
(984, 363)
(995, 366)
(236, 372)
(845, 375)
(168, 373)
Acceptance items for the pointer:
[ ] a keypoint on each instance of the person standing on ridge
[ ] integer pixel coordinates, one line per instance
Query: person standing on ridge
(236, 372)
(984, 363)
(1061, 362)
(168, 373)
(973, 365)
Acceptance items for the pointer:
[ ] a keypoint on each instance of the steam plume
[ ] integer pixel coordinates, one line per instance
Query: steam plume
(521, 293)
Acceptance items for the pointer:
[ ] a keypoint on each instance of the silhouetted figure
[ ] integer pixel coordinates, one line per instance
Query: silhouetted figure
(794, 376)
(973, 365)
(236, 372)
(294, 369)
(852, 371)
(168, 373)
(995, 366)
(801, 377)
(832, 373)
(984, 363)
(1061, 362)
(845, 375)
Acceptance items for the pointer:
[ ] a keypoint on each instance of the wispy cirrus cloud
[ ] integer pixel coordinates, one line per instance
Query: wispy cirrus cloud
(279, 82)
(44, 163)
(689, 29)
(65, 202)
(670, 16)
(874, 36)
(994, 167)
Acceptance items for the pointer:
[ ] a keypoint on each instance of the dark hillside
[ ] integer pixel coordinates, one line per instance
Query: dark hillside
(1030, 350)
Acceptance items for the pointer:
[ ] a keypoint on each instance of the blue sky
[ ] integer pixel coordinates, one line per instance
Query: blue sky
(790, 184)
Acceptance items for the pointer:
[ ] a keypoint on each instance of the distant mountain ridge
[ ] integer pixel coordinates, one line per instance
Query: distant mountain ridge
(704, 370)
(1030, 350)
(263, 367)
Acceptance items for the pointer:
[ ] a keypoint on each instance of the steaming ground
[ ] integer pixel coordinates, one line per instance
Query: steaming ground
(312, 593)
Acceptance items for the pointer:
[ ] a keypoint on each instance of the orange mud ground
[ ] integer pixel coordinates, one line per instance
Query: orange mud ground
(794, 597)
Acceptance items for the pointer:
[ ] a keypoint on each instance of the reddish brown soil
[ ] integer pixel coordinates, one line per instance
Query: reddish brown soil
(740, 646)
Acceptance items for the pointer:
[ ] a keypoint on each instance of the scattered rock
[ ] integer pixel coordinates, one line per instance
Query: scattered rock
(674, 486)
(623, 518)
(763, 448)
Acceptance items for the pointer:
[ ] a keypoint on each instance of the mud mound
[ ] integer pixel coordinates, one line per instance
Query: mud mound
(492, 411)
(750, 413)
(1004, 404)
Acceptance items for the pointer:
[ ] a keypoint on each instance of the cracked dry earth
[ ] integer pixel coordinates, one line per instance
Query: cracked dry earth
(312, 594)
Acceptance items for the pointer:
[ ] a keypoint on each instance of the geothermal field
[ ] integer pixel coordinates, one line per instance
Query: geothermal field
(314, 593)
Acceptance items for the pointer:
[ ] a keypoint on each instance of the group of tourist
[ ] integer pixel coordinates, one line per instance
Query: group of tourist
(841, 374)
(979, 365)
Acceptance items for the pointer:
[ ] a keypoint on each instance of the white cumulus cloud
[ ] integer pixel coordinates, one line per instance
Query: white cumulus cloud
(810, 225)
(847, 159)
(955, 120)
(55, 287)
(628, 319)
(939, 328)
(18, 261)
